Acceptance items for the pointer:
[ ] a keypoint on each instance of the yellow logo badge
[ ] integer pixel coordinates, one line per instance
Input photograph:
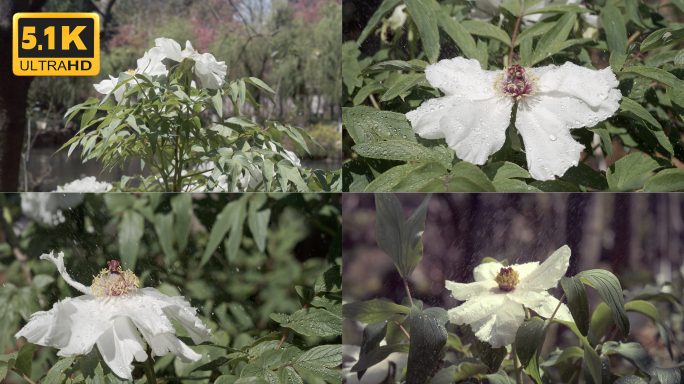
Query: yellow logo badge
(56, 44)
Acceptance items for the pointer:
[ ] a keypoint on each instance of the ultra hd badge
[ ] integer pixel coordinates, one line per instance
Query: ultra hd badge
(56, 44)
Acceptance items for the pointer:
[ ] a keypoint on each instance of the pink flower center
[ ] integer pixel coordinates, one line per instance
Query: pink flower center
(515, 82)
(114, 281)
(507, 278)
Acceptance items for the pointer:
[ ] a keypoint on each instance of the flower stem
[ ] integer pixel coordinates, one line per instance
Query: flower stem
(515, 32)
(408, 292)
(557, 307)
(402, 329)
(149, 368)
(24, 376)
(516, 365)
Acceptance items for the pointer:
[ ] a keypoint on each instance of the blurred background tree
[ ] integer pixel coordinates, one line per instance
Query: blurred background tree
(639, 238)
(237, 258)
(293, 46)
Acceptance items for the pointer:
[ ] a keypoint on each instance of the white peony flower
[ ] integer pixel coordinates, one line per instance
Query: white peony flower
(88, 184)
(212, 73)
(494, 302)
(476, 110)
(47, 207)
(151, 63)
(110, 314)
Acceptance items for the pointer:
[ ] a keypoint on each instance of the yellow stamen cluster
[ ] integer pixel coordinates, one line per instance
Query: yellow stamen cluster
(114, 284)
(505, 84)
(507, 278)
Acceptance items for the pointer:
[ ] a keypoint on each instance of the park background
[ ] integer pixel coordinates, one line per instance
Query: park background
(638, 237)
(292, 45)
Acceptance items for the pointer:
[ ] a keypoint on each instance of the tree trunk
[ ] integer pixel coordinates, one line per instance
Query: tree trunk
(13, 93)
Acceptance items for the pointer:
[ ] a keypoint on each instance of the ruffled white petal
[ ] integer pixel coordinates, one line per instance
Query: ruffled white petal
(462, 77)
(487, 271)
(466, 291)
(119, 345)
(211, 73)
(151, 63)
(499, 329)
(170, 48)
(59, 263)
(477, 129)
(546, 304)
(106, 86)
(425, 119)
(477, 308)
(545, 129)
(549, 273)
(591, 86)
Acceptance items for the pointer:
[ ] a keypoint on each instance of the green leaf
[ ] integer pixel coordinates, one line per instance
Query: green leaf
(586, 176)
(330, 281)
(56, 374)
(328, 356)
(630, 105)
(366, 125)
(420, 179)
(92, 368)
(182, 209)
(163, 225)
(655, 74)
(504, 170)
(616, 31)
(367, 90)
(312, 322)
(467, 369)
(400, 150)
(217, 100)
(226, 379)
(537, 29)
(24, 358)
(592, 361)
(606, 141)
(458, 34)
(559, 8)
(610, 290)
(396, 176)
(552, 42)
(258, 217)
(529, 339)
(428, 337)
(379, 354)
(491, 357)
(287, 375)
(472, 172)
(513, 185)
(232, 216)
(334, 377)
(384, 9)
(483, 29)
(372, 311)
(631, 171)
(645, 308)
(400, 240)
(423, 15)
(251, 380)
(601, 319)
(405, 84)
(661, 38)
(395, 65)
(578, 302)
(351, 73)
(635, 353)
(373, 334)
(131, 229)
(6, 364)
(667, 180)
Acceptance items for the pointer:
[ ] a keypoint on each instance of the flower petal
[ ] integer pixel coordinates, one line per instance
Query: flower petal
(487, 271)
(525, 269)
(462, 77)
(545, 127)
(591, 86)
(192, 324)
(170, 48)
(476, 308)
(499, 328)
(549, 273)
(119, 345)
(477, 129)
(59, 263)
(212, 73)
(546, 304)
(461, 291)
(151, 62)
(425, 119)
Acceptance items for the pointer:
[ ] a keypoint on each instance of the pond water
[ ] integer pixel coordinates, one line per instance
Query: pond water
(50, 169)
